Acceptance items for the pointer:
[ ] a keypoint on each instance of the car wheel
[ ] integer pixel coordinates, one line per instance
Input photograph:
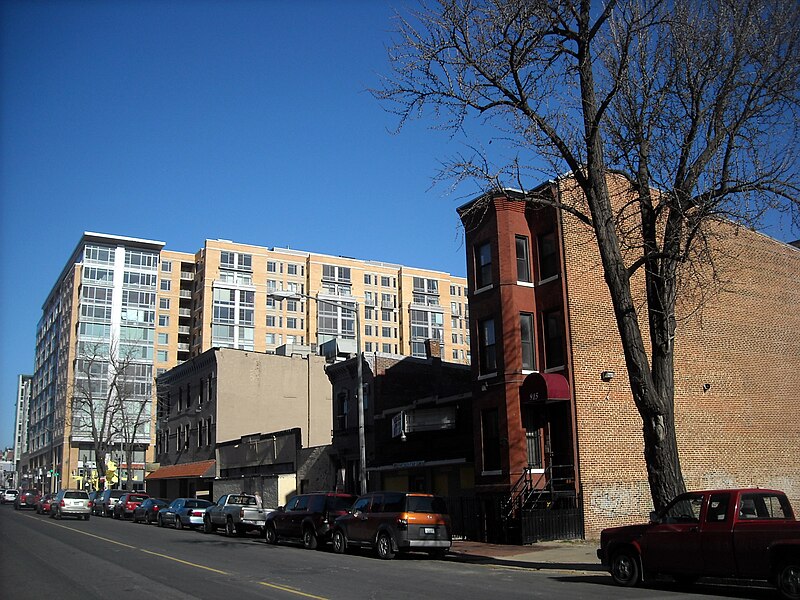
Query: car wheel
(230, 529)
(270, 534)
(625, 569)
(178, 522)
(339, 542)
(309, 539)
(384, 547)
(85, 517)
(789, 579)
(161, 521)
(207, 526)
(148, 519)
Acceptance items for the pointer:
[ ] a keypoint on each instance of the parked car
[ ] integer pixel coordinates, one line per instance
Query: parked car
(184, 512)
(9, 496)
(43, 504)
(392, 522)
(71, 503)
(147, 511)
(307, 517)
(128, 503)
(26, 499)
(747, 534)
(108, 500)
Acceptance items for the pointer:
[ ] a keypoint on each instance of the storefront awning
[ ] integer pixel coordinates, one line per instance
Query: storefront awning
(204, 468)
(544, 387)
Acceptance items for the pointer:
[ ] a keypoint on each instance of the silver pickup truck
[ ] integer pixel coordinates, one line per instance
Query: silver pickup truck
(237, 513)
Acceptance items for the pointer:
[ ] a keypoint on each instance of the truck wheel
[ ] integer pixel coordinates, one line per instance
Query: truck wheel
(339, 542)
(309, 538)
(625, 568)
(207, 526)
(384, 547)
(789, 579)
(178, 522)
(270, 535)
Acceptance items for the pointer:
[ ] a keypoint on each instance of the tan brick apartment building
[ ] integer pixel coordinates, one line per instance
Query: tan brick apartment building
(172, 305)
(544, 332)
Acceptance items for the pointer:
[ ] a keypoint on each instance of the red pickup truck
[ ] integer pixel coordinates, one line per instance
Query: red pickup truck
(740, 534)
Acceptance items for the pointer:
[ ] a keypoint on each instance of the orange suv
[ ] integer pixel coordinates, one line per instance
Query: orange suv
(392, 522)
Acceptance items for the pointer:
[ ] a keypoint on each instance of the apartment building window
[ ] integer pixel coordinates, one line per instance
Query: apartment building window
(488, 356)
(548, 256)
(163, 320)
(270, 321)
(386, 348)
(291, 322)
(386, 332)
(291, 269)
(386, 281)
(166, 285)
(163, 339)
(163, 356)
(490, 439)
(272, 266)
(140, 259)
(98, 254)
(367, 329)
(553, 339)
(235, 260)
(387, 315)
(367, 346)
(367, 279)
(483, 265)
(336, 273)
(523, 259)
(270, 339)
(166, 266)
(370, 313)
(163, 303)
(526, 340)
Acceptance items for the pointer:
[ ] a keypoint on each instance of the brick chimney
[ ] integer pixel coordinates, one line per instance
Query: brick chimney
(433, 349)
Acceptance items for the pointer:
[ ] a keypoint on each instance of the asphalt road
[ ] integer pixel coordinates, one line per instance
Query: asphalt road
(104, 558)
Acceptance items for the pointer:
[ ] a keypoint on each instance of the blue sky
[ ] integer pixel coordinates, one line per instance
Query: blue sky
(185, 120)
(181, 121)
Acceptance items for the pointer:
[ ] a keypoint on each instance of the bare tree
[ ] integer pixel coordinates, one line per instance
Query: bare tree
(693, 102)
(111, 399)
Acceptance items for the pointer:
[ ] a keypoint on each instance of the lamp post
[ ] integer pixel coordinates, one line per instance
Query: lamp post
(362, 446)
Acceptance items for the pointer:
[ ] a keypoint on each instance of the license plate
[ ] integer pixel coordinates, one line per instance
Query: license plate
(428, 530)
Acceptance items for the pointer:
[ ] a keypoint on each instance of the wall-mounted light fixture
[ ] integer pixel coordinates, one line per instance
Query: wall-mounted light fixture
(607, 375)
(706, 387)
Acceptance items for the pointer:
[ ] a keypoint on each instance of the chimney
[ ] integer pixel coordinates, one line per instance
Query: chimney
(433, 349)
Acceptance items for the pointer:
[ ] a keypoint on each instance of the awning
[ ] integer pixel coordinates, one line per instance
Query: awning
(544, 387)
(204, 468)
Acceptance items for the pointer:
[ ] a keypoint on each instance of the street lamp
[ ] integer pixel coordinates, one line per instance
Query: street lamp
(280, 295)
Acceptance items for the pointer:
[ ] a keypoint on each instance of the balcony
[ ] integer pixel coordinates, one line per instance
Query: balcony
(186, 293)
(187, 276)
(183, 347)
(185, 312)
(184, 329)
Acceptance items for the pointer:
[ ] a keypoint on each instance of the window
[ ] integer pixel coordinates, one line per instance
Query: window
(523, 264)
(163, 303)
(270, 321)
(553, 340)
(270, 339)
(367, 278)
(163, 320)
(166, 285)
(163, 356)
(166, 266)
(336, 273)
(548, 256)
(291, 322)
(483, 265)
(490, 439)
(488, 357)
(163, 339)
(385, 281)
(526, 339)
(386, 348)
(272, 266)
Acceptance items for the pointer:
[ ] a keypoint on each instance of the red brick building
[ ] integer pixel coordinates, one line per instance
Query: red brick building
(545, 343)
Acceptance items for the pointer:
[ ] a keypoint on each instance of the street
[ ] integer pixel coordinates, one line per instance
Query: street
(42, 557)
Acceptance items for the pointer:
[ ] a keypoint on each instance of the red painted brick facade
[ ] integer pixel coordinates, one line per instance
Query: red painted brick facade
(737, 364)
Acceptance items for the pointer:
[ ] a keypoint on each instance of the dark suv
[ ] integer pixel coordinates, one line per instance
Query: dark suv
(391, 522)
(307, 517)
(106, 501)
(26, 499)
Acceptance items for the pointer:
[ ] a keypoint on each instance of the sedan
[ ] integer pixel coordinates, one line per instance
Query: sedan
(147, 511)
(43, 505)
(183, 512)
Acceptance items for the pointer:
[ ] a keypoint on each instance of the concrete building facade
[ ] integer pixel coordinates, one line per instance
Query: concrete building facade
(230, 414)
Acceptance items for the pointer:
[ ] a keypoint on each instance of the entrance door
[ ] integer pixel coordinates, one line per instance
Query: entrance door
(533, 422)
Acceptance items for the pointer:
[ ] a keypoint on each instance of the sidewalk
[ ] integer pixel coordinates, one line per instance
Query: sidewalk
(571, 555)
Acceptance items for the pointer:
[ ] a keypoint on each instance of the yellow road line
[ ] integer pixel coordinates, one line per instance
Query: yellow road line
(178, 560)
(184, 562)
(291, 590)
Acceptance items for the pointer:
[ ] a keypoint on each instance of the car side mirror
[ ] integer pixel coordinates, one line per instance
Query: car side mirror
(654, 517)
(281, 509)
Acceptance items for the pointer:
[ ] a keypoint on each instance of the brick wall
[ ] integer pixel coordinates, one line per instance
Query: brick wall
(744, 430)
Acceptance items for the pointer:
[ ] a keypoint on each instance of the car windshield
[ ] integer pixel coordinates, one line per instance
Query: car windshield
(427, 504)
